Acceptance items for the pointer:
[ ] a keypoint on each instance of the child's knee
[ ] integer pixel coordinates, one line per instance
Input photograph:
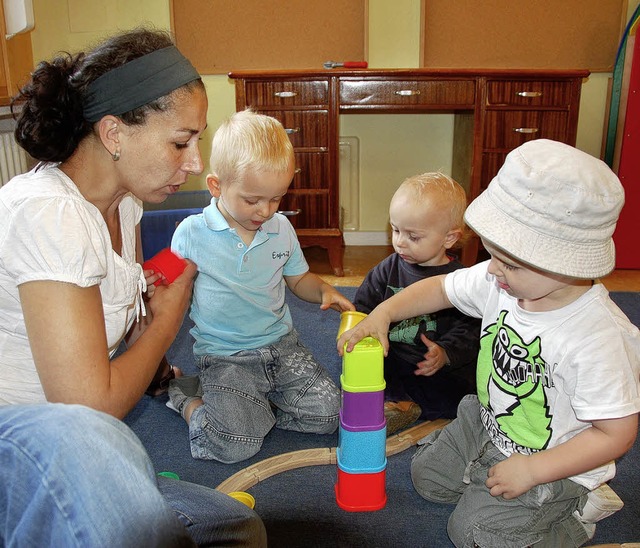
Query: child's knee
(327, 426)
(425, 478)
(309, 424)
(481, 532)
(228, 437)
(224, 448)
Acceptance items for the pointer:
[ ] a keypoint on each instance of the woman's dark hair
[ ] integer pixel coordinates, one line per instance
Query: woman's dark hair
(51, 123)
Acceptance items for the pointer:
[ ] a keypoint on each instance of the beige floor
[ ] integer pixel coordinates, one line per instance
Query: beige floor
(358, 260)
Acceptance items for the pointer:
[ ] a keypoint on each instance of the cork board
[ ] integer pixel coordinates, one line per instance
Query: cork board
(223, 35)
(545, 34)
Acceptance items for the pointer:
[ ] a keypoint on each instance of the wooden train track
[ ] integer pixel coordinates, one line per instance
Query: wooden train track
(250, 476)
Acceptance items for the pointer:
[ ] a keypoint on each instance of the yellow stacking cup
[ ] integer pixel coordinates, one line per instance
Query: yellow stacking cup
(244, 498)
(348, 320)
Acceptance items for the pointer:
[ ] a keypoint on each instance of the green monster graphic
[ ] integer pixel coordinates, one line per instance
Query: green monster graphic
(511, 382)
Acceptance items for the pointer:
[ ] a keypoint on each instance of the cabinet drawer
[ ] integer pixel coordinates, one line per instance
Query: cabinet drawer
(529, 93)
(306, 128)
(312, 171)
(507, 129)
(306, 210)
(431, 93)
(288, 93)
(491, 164)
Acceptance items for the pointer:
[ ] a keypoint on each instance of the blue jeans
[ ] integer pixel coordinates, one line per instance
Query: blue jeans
(245, 395)
(72, 476)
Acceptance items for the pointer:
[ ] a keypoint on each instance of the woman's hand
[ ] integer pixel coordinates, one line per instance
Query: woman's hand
(172, 301)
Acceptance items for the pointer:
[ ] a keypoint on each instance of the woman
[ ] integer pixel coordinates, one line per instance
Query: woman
(111, 128)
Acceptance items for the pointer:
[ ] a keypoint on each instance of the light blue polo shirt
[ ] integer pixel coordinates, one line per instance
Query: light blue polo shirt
(238, 296)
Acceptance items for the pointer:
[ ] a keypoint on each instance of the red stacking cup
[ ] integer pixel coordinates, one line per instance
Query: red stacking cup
(167, 263)
(361, 492)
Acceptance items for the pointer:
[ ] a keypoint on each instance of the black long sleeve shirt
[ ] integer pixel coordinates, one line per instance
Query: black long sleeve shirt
(457, 333)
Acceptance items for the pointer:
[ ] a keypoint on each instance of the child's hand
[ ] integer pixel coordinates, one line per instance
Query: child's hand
(332, 298)
(434, 359)
(511, 477)
(151, 277)
(374, 325)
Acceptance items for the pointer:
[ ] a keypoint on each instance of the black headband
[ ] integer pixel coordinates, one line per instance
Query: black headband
(137, 83)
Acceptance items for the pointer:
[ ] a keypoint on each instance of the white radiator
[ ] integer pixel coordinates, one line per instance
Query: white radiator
(349, 183)
(13, 160)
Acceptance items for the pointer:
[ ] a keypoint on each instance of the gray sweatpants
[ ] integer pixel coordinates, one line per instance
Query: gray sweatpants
(451, 466)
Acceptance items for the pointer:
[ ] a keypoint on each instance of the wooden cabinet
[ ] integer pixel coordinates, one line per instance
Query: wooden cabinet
(495, 111)
(306, 108)
(16, 61)
(402, 94)
(520, 109)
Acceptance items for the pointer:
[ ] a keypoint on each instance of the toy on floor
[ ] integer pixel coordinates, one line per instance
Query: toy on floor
(361, 452)
(167, 263)
(171, 475)
(245, 498)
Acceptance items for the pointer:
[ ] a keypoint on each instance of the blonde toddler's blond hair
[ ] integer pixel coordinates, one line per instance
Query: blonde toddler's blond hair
(249, 142)
(443, 192)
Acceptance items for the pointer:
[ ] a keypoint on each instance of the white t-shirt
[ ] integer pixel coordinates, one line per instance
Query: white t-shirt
(542, 377)
(48, 231)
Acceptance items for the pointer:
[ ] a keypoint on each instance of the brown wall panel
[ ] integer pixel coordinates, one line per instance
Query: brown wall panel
(544, 34)
(223, 35)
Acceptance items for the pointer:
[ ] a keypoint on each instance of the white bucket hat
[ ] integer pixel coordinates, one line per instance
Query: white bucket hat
(553, 207)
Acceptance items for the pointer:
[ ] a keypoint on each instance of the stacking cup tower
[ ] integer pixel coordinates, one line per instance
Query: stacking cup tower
(361, 452)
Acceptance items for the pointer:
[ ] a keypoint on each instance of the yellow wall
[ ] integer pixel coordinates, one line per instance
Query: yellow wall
(392, 147)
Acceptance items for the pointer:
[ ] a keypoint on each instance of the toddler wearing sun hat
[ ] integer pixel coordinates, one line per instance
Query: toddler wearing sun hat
(526, 461)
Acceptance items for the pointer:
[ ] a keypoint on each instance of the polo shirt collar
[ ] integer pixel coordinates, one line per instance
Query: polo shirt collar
(216, 221)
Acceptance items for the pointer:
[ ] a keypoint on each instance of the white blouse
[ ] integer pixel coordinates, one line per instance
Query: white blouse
(49, 231)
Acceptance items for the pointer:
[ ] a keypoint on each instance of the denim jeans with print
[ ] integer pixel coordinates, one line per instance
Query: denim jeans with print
(248, 393)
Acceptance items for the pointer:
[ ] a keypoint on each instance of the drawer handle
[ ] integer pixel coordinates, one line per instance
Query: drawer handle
(285, 94)
(407, 92)
(526, 129)
(297, 170)
(292, 130)
(290, 212)
(529, 93)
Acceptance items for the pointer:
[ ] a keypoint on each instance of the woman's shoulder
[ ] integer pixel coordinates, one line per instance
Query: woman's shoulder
(42, 183)
(46, 200)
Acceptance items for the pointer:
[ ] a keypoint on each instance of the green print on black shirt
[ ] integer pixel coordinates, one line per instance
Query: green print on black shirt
(511, 378)
(409, 331)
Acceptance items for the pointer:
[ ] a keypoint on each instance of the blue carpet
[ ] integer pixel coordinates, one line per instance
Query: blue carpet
(298, 506)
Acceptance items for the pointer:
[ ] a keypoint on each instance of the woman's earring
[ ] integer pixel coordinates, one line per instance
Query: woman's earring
(116, 155)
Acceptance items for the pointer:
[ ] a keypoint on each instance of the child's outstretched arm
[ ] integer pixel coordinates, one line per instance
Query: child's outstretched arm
(311, 288)
(422, 297)
(605, 441)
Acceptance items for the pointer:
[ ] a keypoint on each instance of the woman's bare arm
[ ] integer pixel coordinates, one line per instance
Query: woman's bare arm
(65, 325)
